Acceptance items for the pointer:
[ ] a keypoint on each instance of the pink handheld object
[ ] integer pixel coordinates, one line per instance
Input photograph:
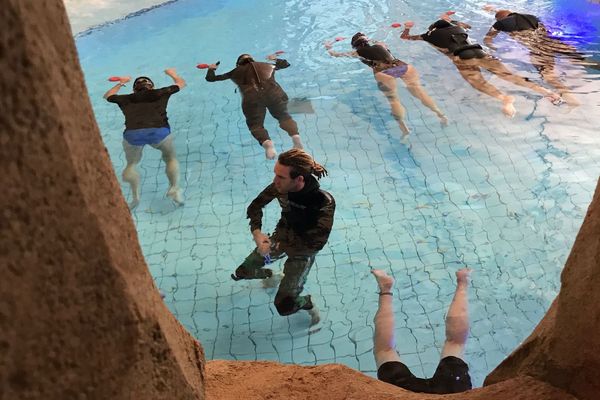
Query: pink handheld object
(114, 79)
(339, 38)
(279, 52)
(202, 66)
(396, 25)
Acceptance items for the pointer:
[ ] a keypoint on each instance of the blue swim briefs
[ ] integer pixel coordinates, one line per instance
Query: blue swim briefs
(140, 137)
(397, 71)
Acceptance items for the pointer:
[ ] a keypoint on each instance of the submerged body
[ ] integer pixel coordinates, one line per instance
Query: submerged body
(261, 92)
(307, 214)
(452, 39)
(386, 69)
(146, 123)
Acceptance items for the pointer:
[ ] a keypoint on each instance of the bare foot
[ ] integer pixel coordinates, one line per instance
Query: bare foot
(508, 107)
(134, 203)
(174, 193)
(571, 100)
(297, 142)
(270, 152)
(443, 120)
(273, 281)
(384, 281)
(555, 99)
(404, 129)
(463, 276)
(315, 316)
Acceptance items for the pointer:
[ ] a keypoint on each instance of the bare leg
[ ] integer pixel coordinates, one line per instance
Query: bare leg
(472, 74)
(413, 84)
(497, 68)
(387, 85)
(133, 155)
(457, 319)
(171, 169)
(384, 341)
(546, 67)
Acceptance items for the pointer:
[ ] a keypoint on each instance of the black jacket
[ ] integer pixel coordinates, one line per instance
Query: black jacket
(308, 214)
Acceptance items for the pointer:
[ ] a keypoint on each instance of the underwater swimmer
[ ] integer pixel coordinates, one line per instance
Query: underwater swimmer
(450, 37)
(386, 69)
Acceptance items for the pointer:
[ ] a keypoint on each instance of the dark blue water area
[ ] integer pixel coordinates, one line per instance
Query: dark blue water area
(578, 22)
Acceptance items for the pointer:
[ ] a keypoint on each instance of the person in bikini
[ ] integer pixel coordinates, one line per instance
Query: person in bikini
(146, 123)
(386, 69)
(451, 38)
(452, 373)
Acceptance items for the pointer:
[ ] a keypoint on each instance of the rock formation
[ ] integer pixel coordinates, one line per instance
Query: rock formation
(80, 317)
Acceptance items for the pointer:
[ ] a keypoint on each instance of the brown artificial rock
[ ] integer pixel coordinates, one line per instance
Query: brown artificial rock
(264, 380)
(564, 349)
(80, 317)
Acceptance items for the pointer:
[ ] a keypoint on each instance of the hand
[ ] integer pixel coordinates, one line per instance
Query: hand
(408, 24)
(214, 66)
(328, 45)
(272, 57)
(263, 243)
(124, 79)
(489, 8)
(446, 16)
(171, 71)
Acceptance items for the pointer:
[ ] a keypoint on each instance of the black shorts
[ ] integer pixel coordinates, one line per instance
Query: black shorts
(451, 376)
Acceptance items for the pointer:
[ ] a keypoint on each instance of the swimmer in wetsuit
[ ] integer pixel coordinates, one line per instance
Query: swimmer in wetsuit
(386, 69)
(260, 92)
(146, 123)
(543, 49)
(451, 38)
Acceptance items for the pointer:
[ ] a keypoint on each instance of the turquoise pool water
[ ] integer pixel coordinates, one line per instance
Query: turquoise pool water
(504, 196)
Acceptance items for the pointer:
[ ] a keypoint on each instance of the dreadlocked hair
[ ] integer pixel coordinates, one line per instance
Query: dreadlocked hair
(301, 163)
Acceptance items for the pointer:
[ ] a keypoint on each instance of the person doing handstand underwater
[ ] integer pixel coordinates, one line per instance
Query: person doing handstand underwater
(386, 69)
(260, 92)
(451, 38)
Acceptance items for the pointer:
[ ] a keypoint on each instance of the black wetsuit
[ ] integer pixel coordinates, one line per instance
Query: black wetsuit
(260, 91)
(379, 58)
(515, 22)
(303, 230)
(454, 38)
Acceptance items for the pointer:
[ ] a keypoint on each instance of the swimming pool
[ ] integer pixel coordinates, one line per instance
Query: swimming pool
(505, 197)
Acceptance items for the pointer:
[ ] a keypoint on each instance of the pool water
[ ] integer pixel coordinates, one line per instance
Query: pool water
(504, 196)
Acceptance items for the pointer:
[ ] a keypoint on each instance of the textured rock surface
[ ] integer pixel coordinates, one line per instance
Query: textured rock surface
(564, 349)
(80, 317)
(235, 380)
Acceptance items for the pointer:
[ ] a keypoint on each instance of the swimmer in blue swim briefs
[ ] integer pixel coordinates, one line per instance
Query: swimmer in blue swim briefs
(386, 69)
(146, 123)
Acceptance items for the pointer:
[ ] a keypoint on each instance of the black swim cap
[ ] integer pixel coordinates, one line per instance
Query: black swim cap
(359, 39)
(244, 59)
(142, 83)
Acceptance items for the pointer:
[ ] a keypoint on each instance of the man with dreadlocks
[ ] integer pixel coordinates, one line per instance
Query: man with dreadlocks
(306, 221)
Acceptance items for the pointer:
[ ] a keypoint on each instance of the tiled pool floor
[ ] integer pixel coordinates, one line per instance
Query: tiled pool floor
(505, 197)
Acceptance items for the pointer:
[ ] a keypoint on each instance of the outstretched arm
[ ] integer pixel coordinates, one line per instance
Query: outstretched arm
(212, 77)
(328, 47)
(115, 89)
(176, 78)
(406, 32)
(489, 38)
